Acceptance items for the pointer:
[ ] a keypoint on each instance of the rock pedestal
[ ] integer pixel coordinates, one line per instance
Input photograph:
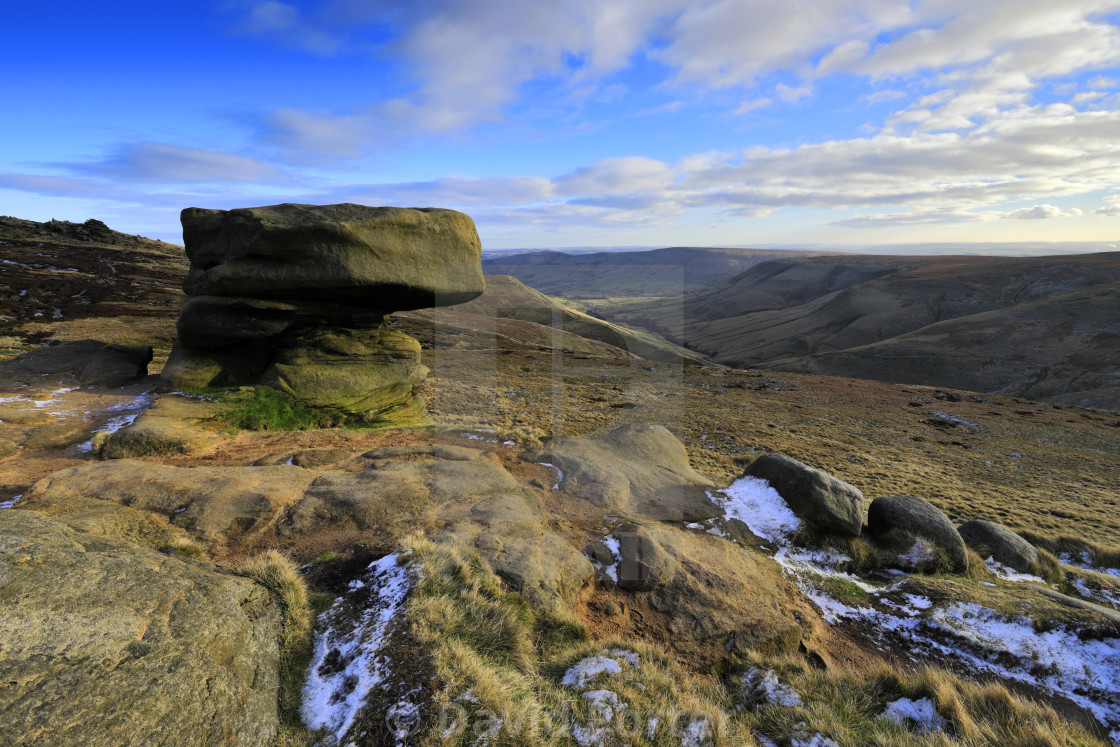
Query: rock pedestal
(296, 297)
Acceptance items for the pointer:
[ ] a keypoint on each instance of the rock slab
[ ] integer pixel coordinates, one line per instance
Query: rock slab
(103, 642)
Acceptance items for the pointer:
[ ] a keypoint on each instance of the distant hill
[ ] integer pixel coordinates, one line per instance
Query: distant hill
(512, 309)
(657, 272)
(1039, 327)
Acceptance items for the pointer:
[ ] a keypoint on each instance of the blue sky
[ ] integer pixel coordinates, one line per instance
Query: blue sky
(577, 122)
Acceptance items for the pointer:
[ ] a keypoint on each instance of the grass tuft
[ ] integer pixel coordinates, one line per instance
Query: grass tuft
(267, 409)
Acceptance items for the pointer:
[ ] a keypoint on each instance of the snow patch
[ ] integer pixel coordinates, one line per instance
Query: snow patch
(559, 474)
(752, 501)
(696, 733)
(615, 547)
(348, 661)
(922, 552)
(588, 670)
(1102, 594)
(920, 715)
(1009, 574)
(763, 685)
(11, 502)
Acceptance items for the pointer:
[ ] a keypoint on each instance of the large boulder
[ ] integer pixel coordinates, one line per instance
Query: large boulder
(996, 540)
(80, 362)
(384, 258)
(918, 531)
(641, 467)
(822, 501)
(104, 642)
(295, 297)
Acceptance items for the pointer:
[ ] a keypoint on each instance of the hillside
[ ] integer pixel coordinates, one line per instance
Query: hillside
(72, 281)
(512, 309)
(659, 272)
(877, 317)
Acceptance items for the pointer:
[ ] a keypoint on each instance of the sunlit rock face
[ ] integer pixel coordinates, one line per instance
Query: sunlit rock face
(296, 296)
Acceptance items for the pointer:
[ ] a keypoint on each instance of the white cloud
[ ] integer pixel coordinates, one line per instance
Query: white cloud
(1041, 212)
(792, 95)
(1111, 206)
(749, 106)
(162, 162)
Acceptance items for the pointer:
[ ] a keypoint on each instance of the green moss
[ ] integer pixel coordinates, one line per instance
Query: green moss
(266, 409)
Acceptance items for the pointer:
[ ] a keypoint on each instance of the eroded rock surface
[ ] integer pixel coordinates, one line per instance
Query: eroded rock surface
(80, 362)
(641, 467)
(104, 642)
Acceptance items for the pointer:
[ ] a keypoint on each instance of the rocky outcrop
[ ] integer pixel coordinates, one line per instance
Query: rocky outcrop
(822, 501)
(104, 642)
(295, 297)
(920, 532)
(640, 467)
(996, 540)
(80, 362)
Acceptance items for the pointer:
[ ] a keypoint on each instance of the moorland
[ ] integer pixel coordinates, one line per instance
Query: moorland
(570, 550)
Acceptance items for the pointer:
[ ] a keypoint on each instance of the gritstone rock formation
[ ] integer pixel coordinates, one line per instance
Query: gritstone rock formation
(295, 297)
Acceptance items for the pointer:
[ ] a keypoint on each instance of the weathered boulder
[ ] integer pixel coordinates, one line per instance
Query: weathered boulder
(80, 362)
(996, 540)
(170, 426)
(295, 297)
(640, 467)
(308, 458)
(715, 593)
(395, 496)
(385, 258)
(825, 503)
(918, 530)
(103, 642)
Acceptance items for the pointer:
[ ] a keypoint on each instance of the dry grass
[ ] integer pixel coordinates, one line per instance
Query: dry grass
(846, 708)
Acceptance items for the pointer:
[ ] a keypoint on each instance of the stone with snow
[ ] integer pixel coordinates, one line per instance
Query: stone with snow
(899, 522)
(990, 538)
(824, 502)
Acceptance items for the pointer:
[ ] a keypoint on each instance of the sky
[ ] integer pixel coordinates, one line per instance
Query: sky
(577, 122)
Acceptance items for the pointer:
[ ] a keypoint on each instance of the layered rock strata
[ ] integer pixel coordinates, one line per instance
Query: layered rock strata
(296, 297)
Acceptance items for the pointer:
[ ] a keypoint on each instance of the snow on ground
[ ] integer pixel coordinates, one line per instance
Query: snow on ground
(763, 685)
(9, 503)
(1009, 574)
(132, 409)
(920, 715)
(1085, 562)
(1101, 595)
(348, 661)
(696, 733)
(588, 670)
(1086, 672)
(559, 474)
(615, 547)
(752, 501)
